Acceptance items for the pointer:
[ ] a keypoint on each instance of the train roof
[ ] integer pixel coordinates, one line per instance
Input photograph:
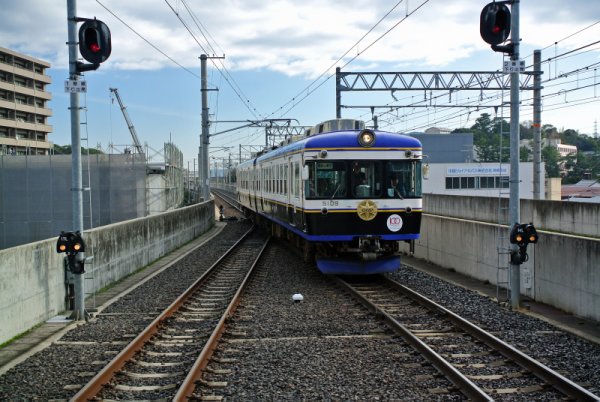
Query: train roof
(346, 140)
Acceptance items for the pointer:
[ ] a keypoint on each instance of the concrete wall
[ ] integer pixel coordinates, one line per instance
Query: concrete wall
(563, 270)
(576, 218)
(33, 279)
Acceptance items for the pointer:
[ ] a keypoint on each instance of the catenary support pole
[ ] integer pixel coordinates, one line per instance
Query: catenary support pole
(514, 201)
(76, 180)
(204, 141)
(338, 94)
(537, 125)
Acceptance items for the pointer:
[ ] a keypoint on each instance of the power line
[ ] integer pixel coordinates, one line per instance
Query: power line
(203, 29)
(245, 101)
(340, 58)
(146, 40)
(307, 89)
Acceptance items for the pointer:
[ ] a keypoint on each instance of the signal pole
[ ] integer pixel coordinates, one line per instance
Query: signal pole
(203, 162)
(514, 201)
(76, 181)
(537, 125)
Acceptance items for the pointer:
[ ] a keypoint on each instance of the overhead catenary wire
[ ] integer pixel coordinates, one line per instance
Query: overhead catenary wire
(147, 41)
(340, 58)
(245, 100)
(309, 92)
(570, 53)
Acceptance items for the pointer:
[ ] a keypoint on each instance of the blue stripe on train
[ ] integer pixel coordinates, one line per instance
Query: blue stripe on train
(357, 267)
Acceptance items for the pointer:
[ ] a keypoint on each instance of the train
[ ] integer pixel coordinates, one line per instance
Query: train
(345, 193)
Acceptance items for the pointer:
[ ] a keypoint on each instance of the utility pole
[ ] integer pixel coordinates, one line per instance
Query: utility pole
(76, 180)
(203, 162)
(514, 201)
(203, 156)
(537, 125)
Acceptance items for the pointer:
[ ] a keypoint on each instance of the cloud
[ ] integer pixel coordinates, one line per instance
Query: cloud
(291, 37)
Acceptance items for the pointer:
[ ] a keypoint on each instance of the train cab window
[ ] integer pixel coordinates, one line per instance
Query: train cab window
(365, 179)
(326, 180)
(403, 179)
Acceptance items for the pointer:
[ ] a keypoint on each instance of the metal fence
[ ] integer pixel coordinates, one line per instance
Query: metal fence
(36, 200)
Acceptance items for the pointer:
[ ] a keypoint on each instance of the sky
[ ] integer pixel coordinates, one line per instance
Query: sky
(277, 59)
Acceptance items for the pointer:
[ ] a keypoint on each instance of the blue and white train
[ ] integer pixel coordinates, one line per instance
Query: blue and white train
(346, 193)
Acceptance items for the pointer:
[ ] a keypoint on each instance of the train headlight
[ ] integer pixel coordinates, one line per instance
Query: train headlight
(366, 138)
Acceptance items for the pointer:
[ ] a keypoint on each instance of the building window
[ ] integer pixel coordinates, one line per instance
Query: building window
(20, 81)
(481, 182)
(486, 182)
(21, 116)
(21, 99)
(20, 63)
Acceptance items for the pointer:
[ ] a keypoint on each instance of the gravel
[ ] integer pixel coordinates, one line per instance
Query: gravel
(325, 348)
(568, 354)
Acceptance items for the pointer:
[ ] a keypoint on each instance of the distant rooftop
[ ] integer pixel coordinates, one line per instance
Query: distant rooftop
(585, 189)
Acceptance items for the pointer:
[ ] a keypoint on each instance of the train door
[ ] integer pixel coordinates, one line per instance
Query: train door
(262, 182)
(254, 190)
(287, 190)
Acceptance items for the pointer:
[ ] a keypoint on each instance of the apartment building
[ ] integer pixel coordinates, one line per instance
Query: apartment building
(24, 102)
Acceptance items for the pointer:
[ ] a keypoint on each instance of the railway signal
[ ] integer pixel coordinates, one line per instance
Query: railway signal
(94, 44)
(522, 234)
(517, 235)
(494, 26)
(531, 235)
(72, 244)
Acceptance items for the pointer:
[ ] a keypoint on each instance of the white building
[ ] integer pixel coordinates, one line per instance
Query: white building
(478, 179)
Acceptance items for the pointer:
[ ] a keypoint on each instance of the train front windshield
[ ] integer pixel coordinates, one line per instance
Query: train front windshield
(363, 179)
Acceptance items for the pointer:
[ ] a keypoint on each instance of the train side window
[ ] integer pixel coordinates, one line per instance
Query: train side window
(297, 179)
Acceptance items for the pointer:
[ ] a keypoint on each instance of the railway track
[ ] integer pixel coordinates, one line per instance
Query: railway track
(164, 357)
(482, 366)
(327, 347)
(233, 207)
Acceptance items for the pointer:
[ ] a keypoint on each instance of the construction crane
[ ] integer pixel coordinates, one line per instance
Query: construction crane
(136, 140)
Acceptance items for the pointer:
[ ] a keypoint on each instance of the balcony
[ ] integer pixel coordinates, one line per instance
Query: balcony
(25, 125)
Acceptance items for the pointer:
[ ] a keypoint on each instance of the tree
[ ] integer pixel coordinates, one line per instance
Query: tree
(526, 130)
(66, 150)
(483, 124)
(551, 158)
(524, 154)
(487, 138)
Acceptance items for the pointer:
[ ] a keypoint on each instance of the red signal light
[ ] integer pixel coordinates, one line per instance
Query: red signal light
(494, 23)
(94, 42)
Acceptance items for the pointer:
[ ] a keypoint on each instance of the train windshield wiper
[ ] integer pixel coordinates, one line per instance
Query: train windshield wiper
(336, 190)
